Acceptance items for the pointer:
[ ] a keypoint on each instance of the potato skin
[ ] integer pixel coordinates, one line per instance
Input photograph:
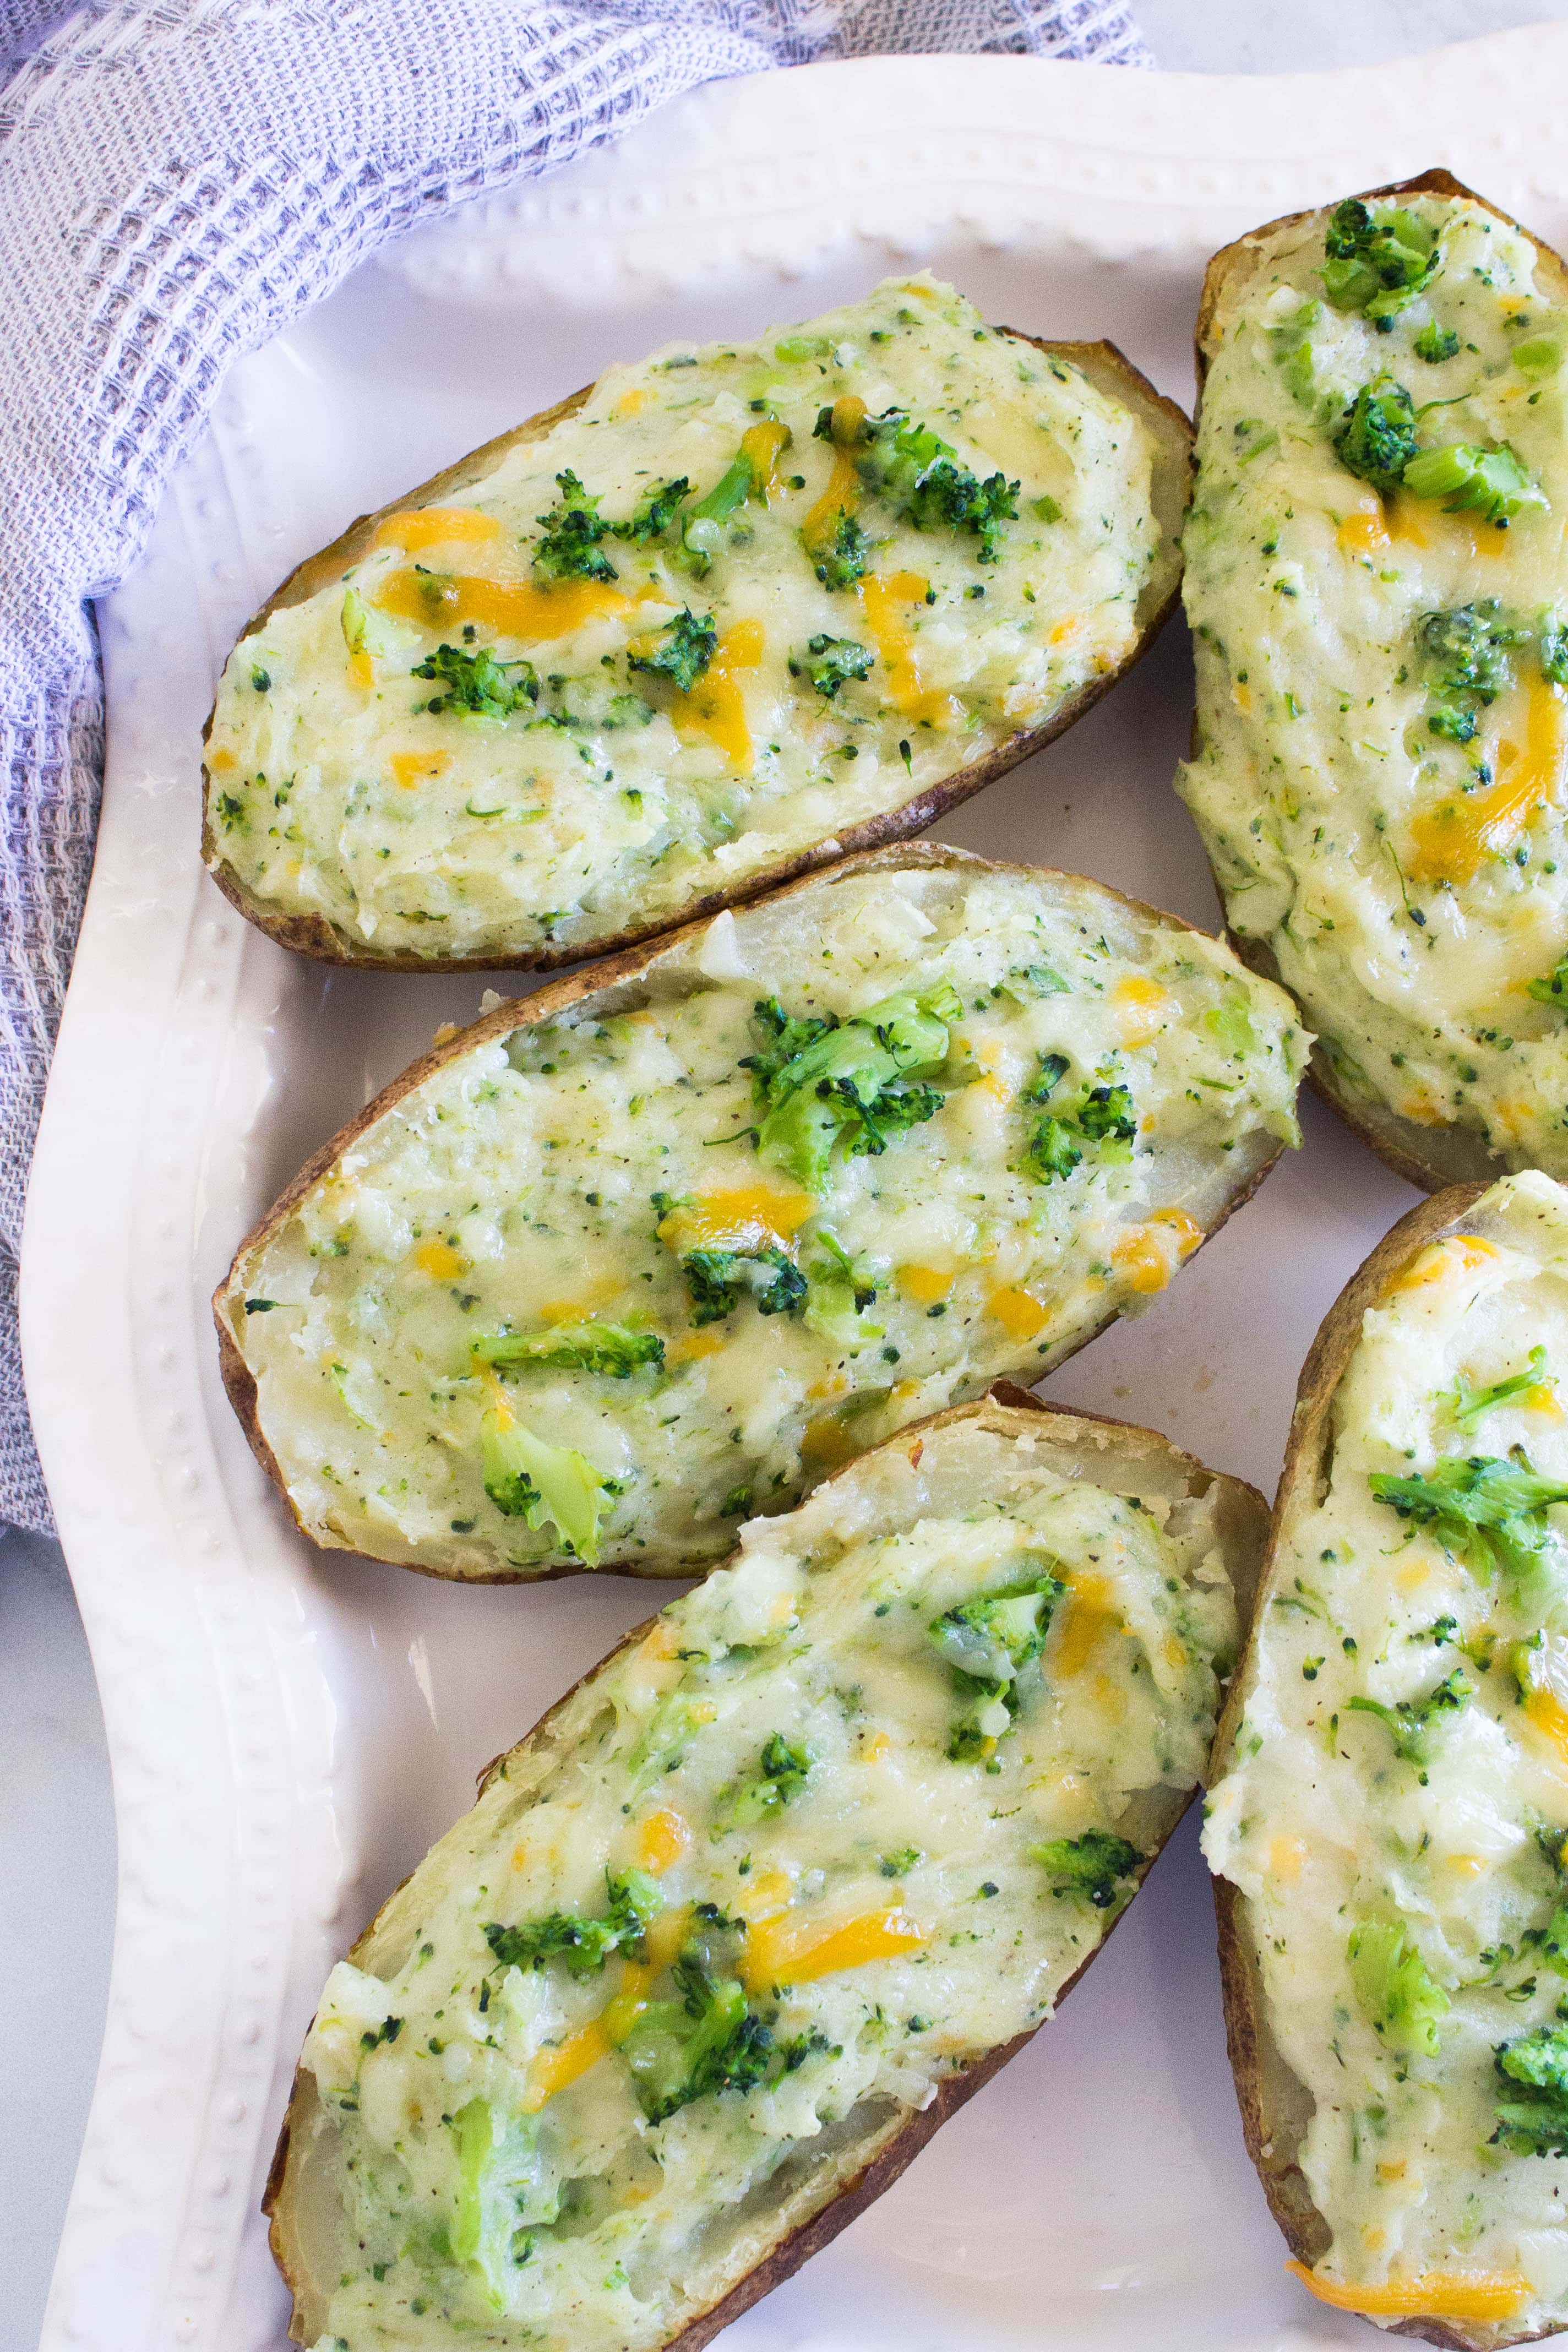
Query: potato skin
(1005, 1407)
(626, 966)
(1275, 2105)
(1106, 368)
(1430, 1158)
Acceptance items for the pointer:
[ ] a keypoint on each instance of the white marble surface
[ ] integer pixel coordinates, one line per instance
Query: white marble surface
(56, 1836)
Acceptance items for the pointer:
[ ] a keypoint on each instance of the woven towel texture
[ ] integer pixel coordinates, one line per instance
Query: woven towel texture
(178, 183)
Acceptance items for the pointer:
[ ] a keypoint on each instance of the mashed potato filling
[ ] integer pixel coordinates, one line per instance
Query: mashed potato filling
(758, 1893)
(747, 595)
(1377, 579)
(1394, 1809)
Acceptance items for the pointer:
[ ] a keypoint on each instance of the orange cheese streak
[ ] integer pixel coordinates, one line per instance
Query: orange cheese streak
(512, 608)
(1092, 1611)
(842, 495)
(926, 1284)
(552, 2070)
(777, 1953)
(662, 1838)
(411, 769)
(716, 707)
(1435, 2295)
(1450, 843)
(749, 1216)
(1546, 1711)
(764, 445)
(1457, 1254)
(882, 600)
(1142, 1257)
(1019, 1312)
(435, 527)
(1142, 1008)
(439, 1260)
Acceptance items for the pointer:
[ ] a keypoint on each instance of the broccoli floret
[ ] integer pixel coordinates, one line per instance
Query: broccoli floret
(1434, 343)
(818, 1080)
(1488, 1513)
(1377, 439)
(1399, 1996)
(1533, 2110)
(570, 548)
(1413, 1723)
(1092, 1865)
(527, 1479)
(583, 1944)
(607, 1348)
(478, 683)
(1553, 649)
(829, 661)
(1488, 482)
(842, 1288)
(1376, 262)
(781, 1775)
(1553, 988)
(840, 561)
(702, 532)
(719, 1279)
(504, 2188)
(914, 470)
(1466, 1404)
(653, 518)
(1054, 1150)
(1466, 652)
(990, 1642)
(689, 644)
(1106, 1118)
(706, 2042)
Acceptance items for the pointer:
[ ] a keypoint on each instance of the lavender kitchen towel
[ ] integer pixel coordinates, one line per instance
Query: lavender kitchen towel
(178, 183)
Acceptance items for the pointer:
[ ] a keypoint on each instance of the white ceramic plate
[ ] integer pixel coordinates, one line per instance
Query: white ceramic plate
(289, 1731)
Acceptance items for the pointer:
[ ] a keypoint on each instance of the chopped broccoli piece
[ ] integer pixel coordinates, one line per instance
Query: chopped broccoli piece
(1553, 988)
(702, 532)
(653, 516)
(690, 646)
(1106, 1118)
(583, 1944)
(502, 2180)
(989, 1643)
(352, 620)
(525, 1479)
(1488, 1513)
(478, 683)
(570, 548)
(1054, 1150)
(1413, 1722)
(607, 1348)
(1292, 343)
(1434, 343)
(1376, 262)
(900, 1864)
(1466, 651)
(842, 1288)
(831, 660)
(840, 561)
(909, 466)
(1399, 1996)
(781, 1775)
(1377, 439)
(1553, 649)
(817, 1080)
(719, 1279)
(1092, 1865)
(1466, 1404)
(706, 2042)
(1532, 2113)
(1488, 482)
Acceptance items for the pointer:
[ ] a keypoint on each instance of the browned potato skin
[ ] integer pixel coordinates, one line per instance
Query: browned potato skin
(1276, 2106)
(1114, 1445)
(621, 971)
(1430, 1157)
(1106, 368)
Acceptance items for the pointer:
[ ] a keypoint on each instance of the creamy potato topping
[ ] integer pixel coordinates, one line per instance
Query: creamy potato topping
(747, 595)
(1376, 575)
(1394, 1807)
(601, 1287)
(765, 1885)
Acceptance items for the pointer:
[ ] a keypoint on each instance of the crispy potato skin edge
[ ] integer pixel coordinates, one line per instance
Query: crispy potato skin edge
(1004, 1407)
(1106, 368)
(517, 1013)
(1398, 1142)
(1264, 2085)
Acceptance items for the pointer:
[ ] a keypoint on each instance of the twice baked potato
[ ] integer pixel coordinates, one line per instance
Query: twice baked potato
(766, 1897)
(1389, 1797)
(1377, 578)
(650, 1252)
(705, 624)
